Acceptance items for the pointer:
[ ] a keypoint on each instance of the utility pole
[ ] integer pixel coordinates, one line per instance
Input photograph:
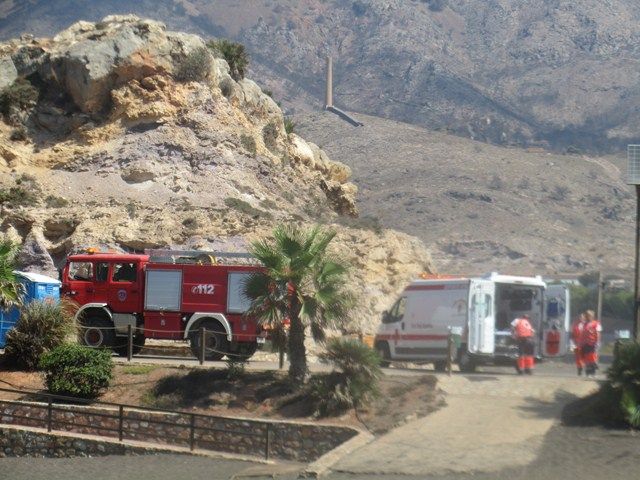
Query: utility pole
(633, 178)
(636, 323)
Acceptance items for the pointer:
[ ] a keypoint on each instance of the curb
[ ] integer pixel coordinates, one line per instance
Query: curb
(320, 467)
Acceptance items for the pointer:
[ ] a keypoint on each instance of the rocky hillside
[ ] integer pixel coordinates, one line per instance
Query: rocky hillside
(126, 135)
(483, 208)
(546, 72)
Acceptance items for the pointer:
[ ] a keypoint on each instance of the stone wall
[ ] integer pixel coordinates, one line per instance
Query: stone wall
(288, 441)
(26, 443)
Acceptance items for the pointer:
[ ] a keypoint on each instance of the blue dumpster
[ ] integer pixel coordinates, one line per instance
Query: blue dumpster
(36, 287)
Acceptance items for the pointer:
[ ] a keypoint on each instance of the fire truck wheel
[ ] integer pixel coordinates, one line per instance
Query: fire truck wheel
(216, 343)
(97, 332)
(383, 350)
(245, 352)
(122, 348)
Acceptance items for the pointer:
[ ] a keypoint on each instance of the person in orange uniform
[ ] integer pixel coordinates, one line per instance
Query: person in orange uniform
(590, 342)
(576, 336)
(523, 333)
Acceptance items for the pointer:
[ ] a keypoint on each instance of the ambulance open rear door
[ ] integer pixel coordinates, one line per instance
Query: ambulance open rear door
(481, 338)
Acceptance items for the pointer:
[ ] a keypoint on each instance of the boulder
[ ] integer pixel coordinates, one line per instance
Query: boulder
(34, 257)
(8, 72)
(89, 60)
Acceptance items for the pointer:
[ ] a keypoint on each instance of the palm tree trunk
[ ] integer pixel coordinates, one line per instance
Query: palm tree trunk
(297, 352)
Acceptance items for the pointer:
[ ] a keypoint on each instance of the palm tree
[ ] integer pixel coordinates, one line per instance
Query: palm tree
(10, 287)
(301, 282)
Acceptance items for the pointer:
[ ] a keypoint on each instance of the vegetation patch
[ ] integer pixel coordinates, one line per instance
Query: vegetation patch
(234, 54)
(18, 97)
(56, 202)
(41, 327)
(249, 144)
(195, 66)
(18, 196)
(77, 371)
(289, 125)
(138, 369)
(246, 208)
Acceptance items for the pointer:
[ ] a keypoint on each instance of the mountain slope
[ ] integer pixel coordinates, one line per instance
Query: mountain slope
(484, 208)
(543, 72)
(108, 144)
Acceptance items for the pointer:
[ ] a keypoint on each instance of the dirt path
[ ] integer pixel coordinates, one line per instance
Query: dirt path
(490, 423)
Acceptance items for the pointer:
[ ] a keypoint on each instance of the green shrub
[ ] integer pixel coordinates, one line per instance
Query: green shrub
(624, 378)
(77, 371)
(19, 134)
(40, 328)
(270, 135)
(289, 125)
(195, 66)
(235, 368)
(246, 208)
(56, 202)
(234, 54)
(18, 96)
(249, 144)
(354, 381)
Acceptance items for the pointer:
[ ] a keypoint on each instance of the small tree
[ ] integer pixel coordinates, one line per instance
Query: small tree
(301, 282)
(77, 371)
(234, 54)
(40, 328)
(10, 287)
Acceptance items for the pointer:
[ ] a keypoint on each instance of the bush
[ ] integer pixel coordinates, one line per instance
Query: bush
(234, 54)
(249, 144)
(624, 378)
(77, 371)
(289, 125)
(17, 196)
(354, 381)
(195, 66)
(270, 135)
(235, 368)
(40, 328)
(18, 96)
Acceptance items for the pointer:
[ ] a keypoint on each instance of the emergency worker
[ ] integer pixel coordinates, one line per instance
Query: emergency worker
(523, 332)
(590, 342)
(576, 337)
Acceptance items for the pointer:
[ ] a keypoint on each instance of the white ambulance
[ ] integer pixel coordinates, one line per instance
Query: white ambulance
(478, 313)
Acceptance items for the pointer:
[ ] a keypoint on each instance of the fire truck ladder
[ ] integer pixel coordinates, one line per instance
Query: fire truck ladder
(200, 257)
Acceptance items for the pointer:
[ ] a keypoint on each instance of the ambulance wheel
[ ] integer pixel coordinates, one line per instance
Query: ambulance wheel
(465, 362)
(216, 344)
(383, 350)
(96, 332)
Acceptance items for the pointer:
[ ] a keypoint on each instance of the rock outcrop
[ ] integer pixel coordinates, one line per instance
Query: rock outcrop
(118, 150)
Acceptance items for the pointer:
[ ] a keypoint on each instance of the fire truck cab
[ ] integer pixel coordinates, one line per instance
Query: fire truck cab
(163, 294)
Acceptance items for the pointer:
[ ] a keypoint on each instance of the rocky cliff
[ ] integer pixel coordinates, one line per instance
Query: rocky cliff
(548, 72)
(126, 135)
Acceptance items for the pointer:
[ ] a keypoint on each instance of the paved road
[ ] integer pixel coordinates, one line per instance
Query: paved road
(496, 426)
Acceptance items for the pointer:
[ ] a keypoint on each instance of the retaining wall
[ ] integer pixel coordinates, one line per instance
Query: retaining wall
(15, 442)
(287, 440)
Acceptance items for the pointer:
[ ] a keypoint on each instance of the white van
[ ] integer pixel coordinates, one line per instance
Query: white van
(478, 313)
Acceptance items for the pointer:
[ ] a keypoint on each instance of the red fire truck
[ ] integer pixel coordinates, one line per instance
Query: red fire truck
(163, 294)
